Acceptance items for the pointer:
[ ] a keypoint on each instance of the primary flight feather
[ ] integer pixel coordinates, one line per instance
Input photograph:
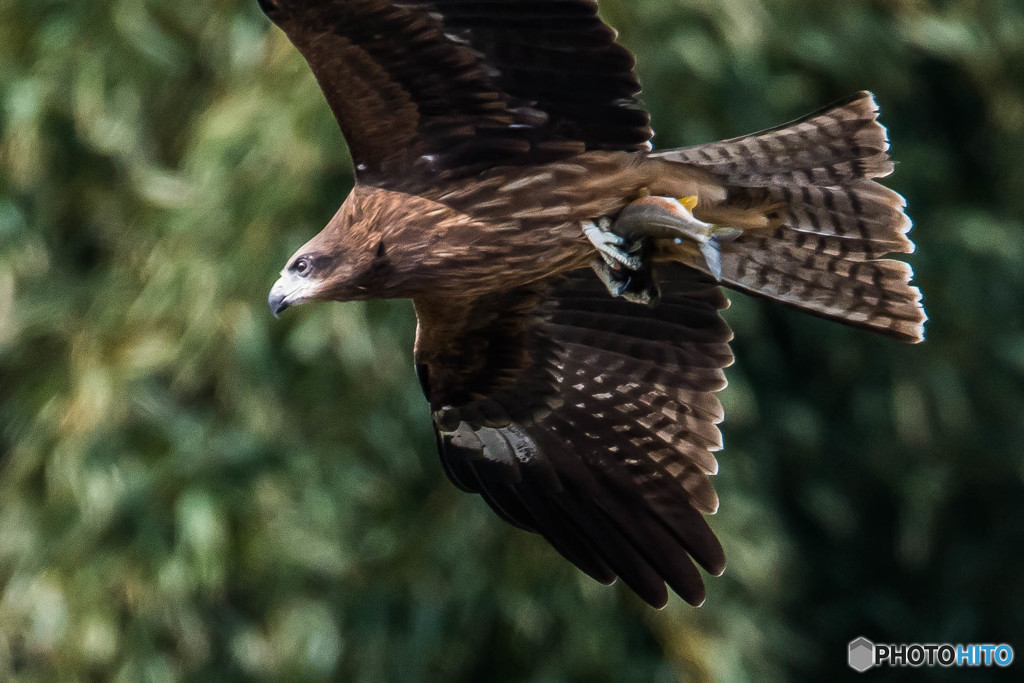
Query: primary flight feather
(505, 182)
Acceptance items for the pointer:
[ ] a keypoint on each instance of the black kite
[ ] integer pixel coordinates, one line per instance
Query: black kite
(494, 142)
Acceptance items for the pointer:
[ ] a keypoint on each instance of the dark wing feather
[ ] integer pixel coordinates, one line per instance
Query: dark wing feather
(447, 88)
(589, 420)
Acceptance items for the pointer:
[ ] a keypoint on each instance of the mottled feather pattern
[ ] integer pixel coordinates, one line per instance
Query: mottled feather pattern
(829, 222)
(484, 135)
(840, 143)
(600, 438)
(445, 89)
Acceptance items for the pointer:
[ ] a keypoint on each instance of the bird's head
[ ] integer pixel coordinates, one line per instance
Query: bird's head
(308, 275)
(342, 263)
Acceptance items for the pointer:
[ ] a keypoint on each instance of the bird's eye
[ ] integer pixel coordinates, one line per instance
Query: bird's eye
(302, 267)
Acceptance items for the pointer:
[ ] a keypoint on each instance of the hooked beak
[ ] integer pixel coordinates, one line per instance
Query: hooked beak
(278, 302)
(288, 290)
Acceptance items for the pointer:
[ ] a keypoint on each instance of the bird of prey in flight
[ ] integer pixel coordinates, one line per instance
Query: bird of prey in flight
(566, 277)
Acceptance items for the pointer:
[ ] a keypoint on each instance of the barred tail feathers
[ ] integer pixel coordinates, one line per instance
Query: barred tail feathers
(829, 222)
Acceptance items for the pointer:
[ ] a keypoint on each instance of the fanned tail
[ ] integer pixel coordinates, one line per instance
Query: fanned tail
(824, 222)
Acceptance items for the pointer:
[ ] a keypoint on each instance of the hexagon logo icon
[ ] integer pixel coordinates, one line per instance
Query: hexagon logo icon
(862, 654)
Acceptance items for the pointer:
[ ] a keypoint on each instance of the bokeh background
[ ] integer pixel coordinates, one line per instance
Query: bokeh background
(191, 490)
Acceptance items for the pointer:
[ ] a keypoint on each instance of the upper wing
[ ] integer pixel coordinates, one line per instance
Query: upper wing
(445, 88)
(588, 419)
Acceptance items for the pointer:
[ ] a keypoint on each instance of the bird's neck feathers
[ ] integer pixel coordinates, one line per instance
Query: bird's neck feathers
(377, 243)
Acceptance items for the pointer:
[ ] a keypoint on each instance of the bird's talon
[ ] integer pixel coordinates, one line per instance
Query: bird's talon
(633, 285)
(610, 246)
(666, 217)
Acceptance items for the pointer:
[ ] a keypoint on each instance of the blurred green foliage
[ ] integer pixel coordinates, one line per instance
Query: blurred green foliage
(192, 490)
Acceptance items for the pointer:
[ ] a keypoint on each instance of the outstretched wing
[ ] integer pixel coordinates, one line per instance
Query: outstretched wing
(588, 419)
(445, 88)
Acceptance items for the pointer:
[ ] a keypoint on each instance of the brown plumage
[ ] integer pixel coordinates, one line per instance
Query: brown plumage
(484, 134)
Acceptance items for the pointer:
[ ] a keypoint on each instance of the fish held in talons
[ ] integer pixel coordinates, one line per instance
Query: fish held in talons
(624, 264)
(665, 217)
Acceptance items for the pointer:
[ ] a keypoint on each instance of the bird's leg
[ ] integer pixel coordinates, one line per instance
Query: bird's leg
(637, 287)
(622, 245)
(673, 218)
(623, 266)
(617, 251)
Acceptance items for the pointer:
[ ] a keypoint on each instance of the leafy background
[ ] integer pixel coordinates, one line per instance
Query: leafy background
(192, 490)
